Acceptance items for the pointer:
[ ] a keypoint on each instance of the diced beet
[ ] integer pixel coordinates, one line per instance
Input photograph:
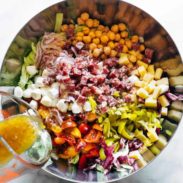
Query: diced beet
(149, 53)
(85, 91)
(127, 99)
(135, 46)
(106, 89)
(76, 72)
(101, 98)
(83, 80)
(100, 79)
(96, 90)
(112, 101)
(146, 60)
(116, 82)
(71, 87)
(105, 70)
(119, 48)
(81, 99)
(110, 62)
(114, 73)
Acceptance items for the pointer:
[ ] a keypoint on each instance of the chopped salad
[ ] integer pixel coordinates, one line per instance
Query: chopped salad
(99, 95)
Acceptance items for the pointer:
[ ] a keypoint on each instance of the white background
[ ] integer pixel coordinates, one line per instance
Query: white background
(168, 167)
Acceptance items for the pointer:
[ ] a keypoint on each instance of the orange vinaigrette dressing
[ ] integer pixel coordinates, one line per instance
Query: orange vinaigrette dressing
(19, 132)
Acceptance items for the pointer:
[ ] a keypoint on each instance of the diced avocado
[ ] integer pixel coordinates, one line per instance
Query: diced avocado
(162, 142)
(175, 115)
(177, 105)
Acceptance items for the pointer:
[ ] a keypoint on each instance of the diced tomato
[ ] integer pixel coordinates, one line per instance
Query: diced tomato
(94, 153)
(5, 113)
(82, 162)
(97, 127)
(69, 123)
(91, 117)
(59, 140)
(84, 128)
(88, 147)
(69, 139)
(69, 152)
(80, 145)
(93, 136)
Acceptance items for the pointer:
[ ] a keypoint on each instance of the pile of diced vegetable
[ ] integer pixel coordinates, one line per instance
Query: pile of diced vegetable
(106, 106)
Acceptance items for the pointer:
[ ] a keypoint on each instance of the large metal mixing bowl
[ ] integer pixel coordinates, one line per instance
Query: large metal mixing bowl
(109, 12)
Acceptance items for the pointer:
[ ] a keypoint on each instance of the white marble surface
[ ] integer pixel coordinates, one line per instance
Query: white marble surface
(168, 167)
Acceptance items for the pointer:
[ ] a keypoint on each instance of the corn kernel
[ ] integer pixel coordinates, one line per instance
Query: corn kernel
(86, 30)
(92, 34)
(150, 102)
(111, 45)
(80, 21)
(158, 73)
(156, 93)
(113, 53)
(87, 39)
(142, 71)
(142, 93)
(150, 69)
(132, 58)
(124, 34)
(135, 39)
(140, 63)
(92, 46)
(107, 50)
(111, 35)
(163, 101)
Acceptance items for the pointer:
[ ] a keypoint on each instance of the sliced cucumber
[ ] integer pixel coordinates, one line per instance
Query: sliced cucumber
(154, 150)
(175, 115)
(178, 80)
(148, 156)
(167, 125)
(141, 163)
(161, 143)
(177, 105)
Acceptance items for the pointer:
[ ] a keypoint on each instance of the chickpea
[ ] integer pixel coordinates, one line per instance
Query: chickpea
(133, 58)
(111, 35)
(117, 37)
(122, 41)
(101, 27)
(87, 39)
(100, 46)
(96, 52)
(103, 56)
(92, 46)
(64, 27)
(130, 65)
(86, 30)
(122, 27)
(92, 34)
(115, 28)
(128, 43)
(113, 53)
(135, 39)
(95, 23)
(106, 29)
(72, 26)
(89, 22)
(80, 34)
(111, 45)
(142, 47)
(80, 21)
(107, 50)
(104, 39)
(96, 41)
(139, 56)
(125, 49)
(79, 38)
(98, 33)
(84, 16)
(124, 34)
